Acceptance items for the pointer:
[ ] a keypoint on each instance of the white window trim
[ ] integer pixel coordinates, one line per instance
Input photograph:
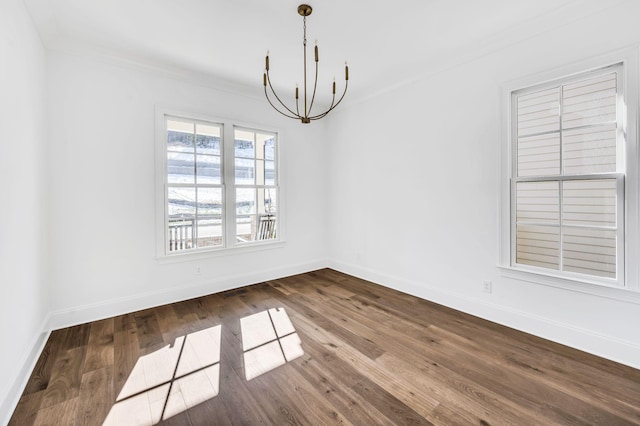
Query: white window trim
(229, 215)
(630, 291)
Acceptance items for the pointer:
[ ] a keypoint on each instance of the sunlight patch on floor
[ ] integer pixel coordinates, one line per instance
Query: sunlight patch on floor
(170, 380)
(269, 340)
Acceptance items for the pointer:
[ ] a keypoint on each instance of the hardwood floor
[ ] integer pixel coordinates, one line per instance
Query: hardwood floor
(371, 355)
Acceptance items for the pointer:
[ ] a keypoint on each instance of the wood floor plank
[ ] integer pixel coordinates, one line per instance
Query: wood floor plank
(305, 397)
(27, 409)
(96, 396)
(149, 333)
(370, 355)
(65, 377)
(41, 374)
(390, 406)
(63, 413)
(76, 336)
(100, 346)
(234, 392)
(126, 353)
(355, 409)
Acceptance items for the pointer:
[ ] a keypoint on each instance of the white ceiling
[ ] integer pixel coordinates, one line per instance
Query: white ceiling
(385, 42)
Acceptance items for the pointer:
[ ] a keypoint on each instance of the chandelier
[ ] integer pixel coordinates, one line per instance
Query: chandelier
(305, 115)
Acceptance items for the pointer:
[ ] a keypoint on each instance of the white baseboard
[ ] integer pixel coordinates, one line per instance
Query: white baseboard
(109, 308)
(9, 401)
(622, 351)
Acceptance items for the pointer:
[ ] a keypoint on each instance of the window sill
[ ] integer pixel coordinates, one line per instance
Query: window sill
(623, 294)
(186, 256)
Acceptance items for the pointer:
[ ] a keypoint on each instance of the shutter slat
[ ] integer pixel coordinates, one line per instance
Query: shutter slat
(539, 155)
(538, 246)
(539, 112)
(589, 251)
(589, 102)
(590, 202)
(533, 206)
(591, 150)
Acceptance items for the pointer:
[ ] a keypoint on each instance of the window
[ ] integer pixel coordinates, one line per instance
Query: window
(256, 190)
(572, 179)
(194, 184)
(219, 185)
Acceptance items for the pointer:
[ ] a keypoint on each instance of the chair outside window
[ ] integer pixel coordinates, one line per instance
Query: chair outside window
(264, 228)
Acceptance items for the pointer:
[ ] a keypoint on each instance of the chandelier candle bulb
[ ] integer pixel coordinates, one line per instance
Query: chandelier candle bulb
(316, 50)
(264, 79)
(346, 72)
(334, 86)
(266, 62)
(296, 91)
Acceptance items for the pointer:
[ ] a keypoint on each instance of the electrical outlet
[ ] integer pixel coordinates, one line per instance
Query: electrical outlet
(486, 286)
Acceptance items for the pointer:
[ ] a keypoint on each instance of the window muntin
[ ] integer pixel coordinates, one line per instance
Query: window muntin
(567, 198)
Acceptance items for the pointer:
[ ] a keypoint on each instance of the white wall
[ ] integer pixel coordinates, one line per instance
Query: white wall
(102, 190)
(23, 235)
(414, 191)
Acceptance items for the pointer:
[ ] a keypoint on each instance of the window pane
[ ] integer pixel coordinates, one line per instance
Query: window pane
(539, 155)
(210, 231)
(209, 202)
(245, 201)
(244, 146)
(539, 112)
(181, 209)
(538, 246)
(180, 168)
(179, 136)
(589, 202)
(270, 148)
(208, 139)
(208, 169)
(262, 142)
(269, 173)
(589, 251)
(244, 228)
(268, 202)
(181, 202)
(589, 150)
(245, 171)
(589, 102)
(538, 202)
(265, 227)
(209, 217)
(181, 234)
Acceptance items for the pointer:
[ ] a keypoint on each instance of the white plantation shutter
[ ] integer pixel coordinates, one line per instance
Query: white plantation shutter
(568, 179)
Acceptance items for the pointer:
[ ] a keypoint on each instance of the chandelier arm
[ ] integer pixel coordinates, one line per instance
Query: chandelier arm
(322, 114)
(332, 107)
(276, 96)
(274, 107)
